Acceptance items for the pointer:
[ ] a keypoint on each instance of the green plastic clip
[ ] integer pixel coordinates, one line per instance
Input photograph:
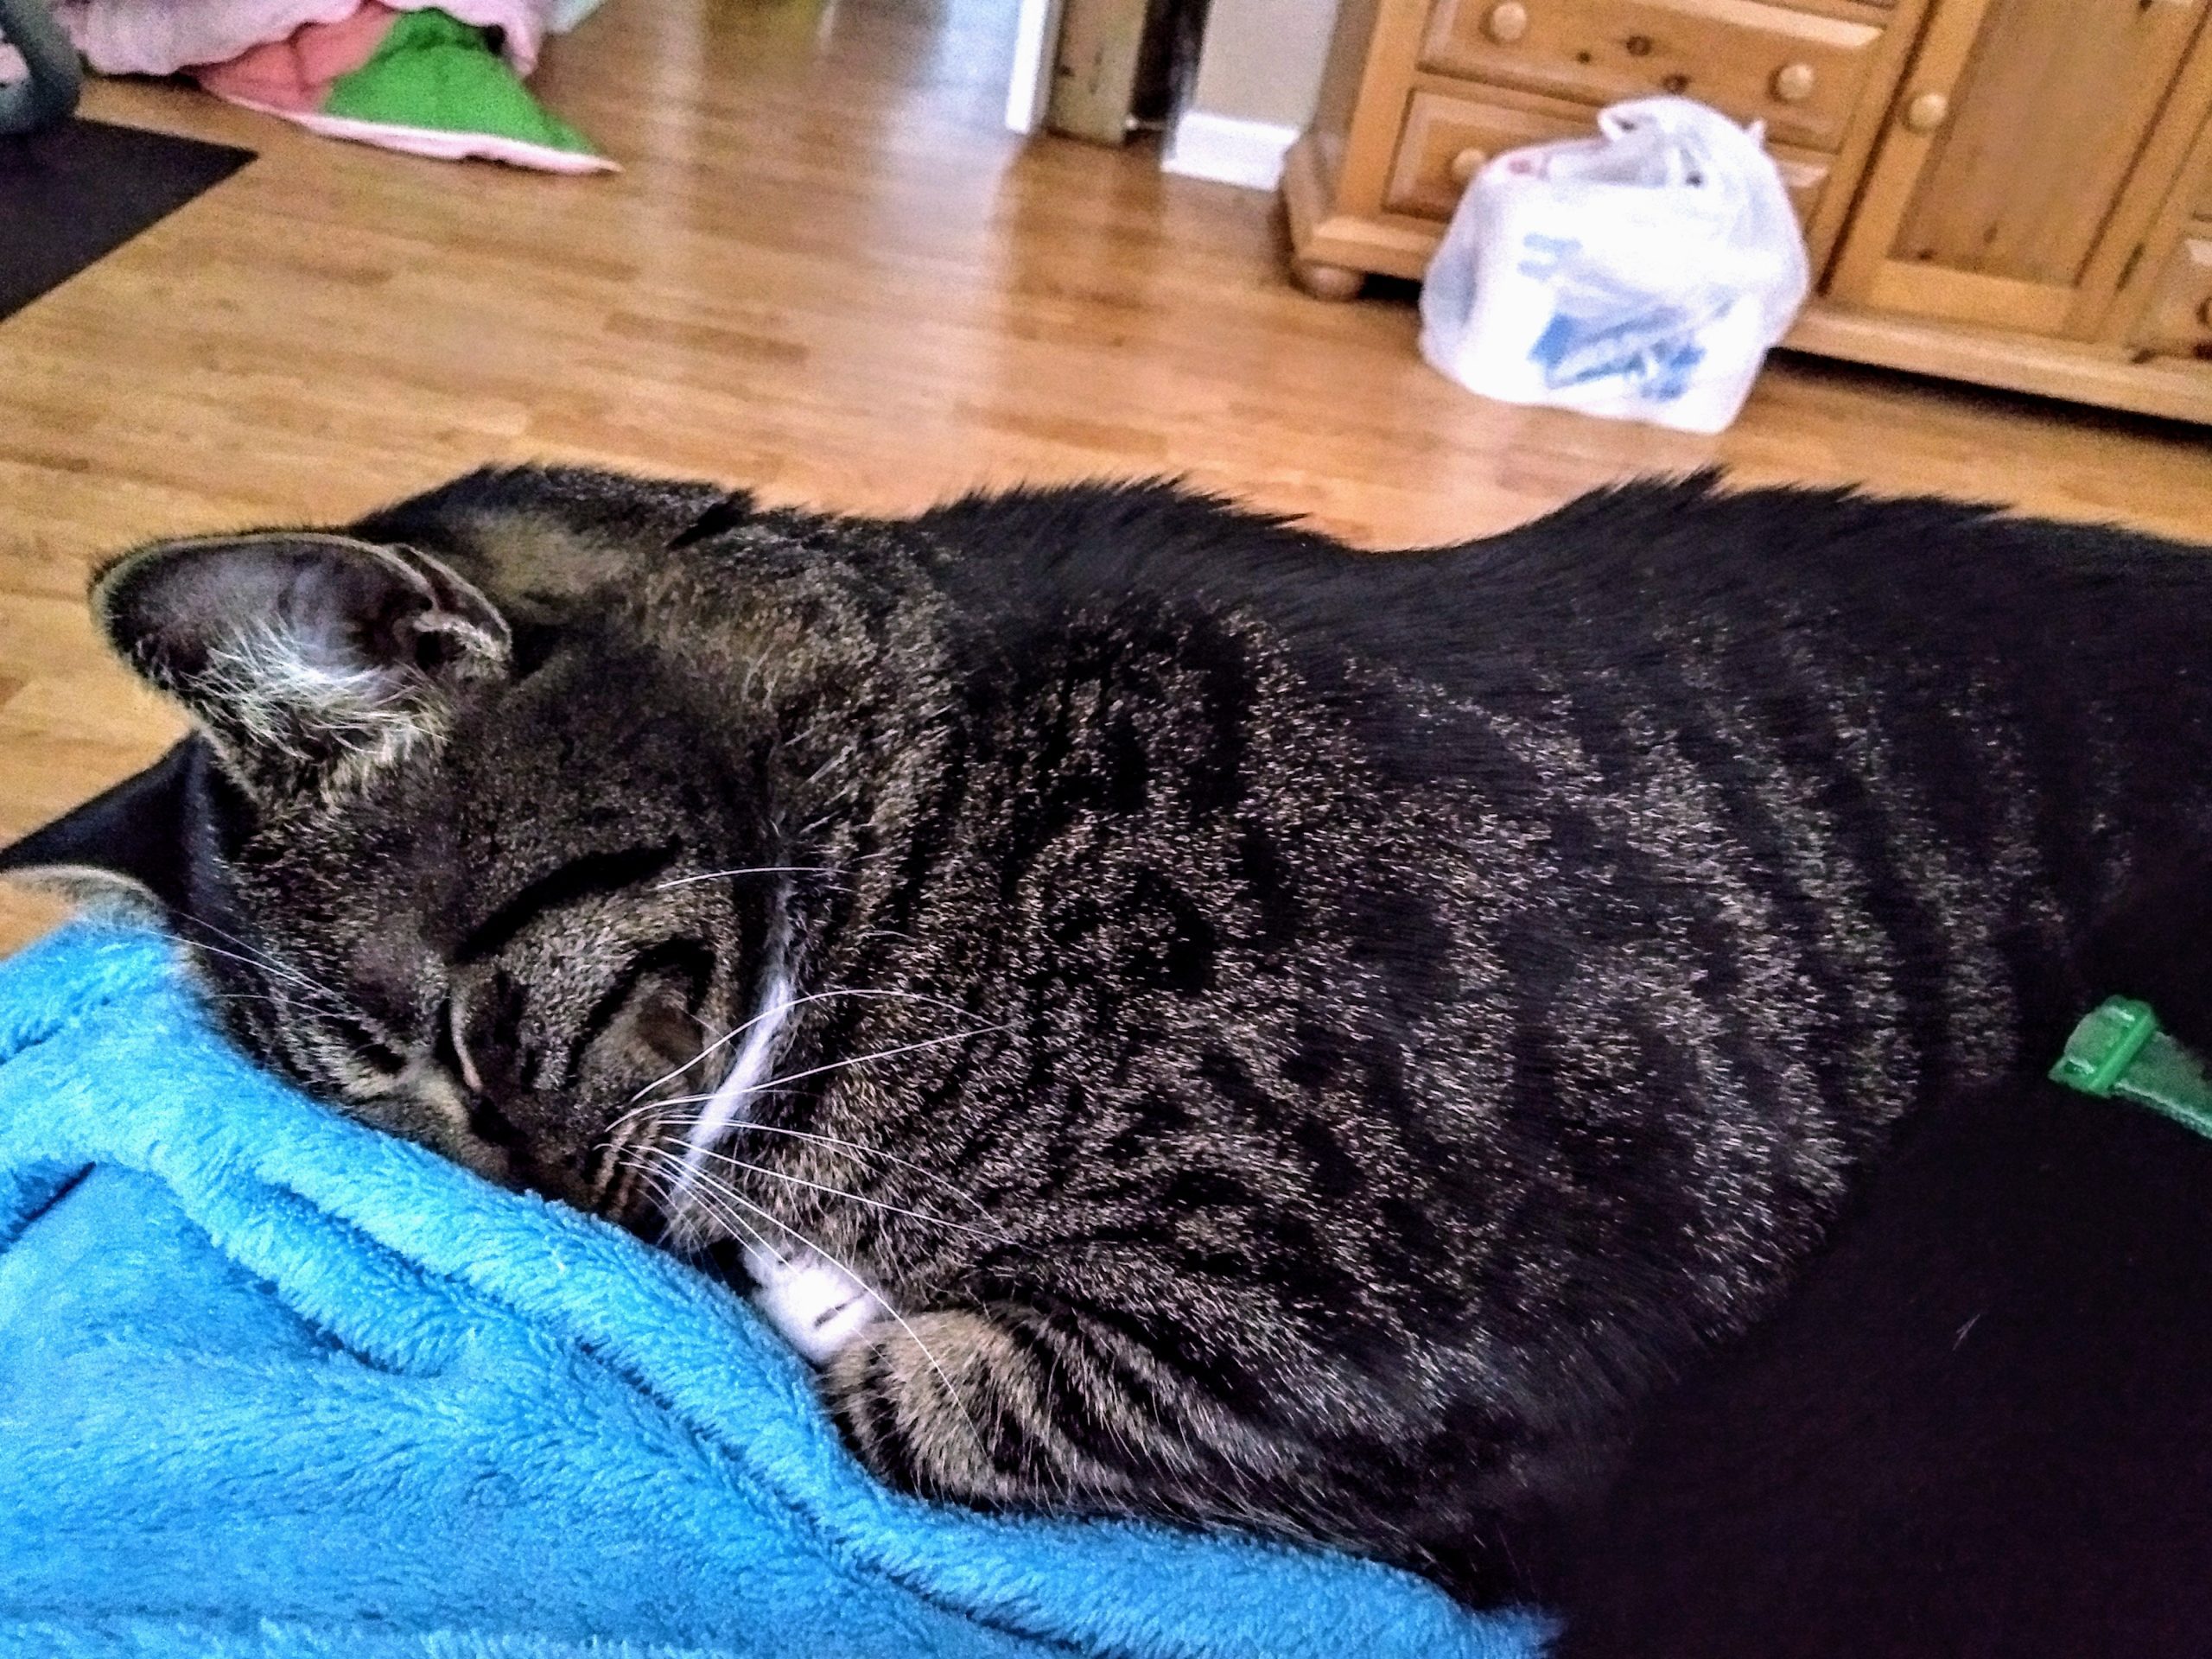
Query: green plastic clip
(2119, 1049)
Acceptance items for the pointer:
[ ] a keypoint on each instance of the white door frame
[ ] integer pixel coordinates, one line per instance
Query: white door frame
(1036, 46)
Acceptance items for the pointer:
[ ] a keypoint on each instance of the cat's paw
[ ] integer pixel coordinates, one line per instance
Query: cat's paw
(914, 1399)
(814, 1304)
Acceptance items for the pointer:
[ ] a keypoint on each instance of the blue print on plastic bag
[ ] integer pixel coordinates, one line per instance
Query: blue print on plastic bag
(1657, 347)
(1544, 257)
(1601, 328)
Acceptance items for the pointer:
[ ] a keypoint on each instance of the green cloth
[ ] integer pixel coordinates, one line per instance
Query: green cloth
(433, 71)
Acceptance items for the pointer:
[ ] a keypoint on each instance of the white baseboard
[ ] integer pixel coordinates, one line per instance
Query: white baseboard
(1230, 151)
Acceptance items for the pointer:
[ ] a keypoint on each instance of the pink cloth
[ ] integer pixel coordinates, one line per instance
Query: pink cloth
(296, 73)
(159, 37)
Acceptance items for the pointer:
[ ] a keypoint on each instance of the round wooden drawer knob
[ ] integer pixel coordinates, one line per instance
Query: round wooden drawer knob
(1506, 24)
(1793, 82)
(1927, 112)
(1466, 164)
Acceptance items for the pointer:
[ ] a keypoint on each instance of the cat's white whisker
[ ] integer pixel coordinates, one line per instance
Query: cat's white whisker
(860, 1151)
(755, 869)
(823, 996)
(273, 963)
(256, 957)
(687, 1235)
(283, 976)
(881, 1054)
(737, 1089)
(945, 1003)
(709, 1184)
(613, 1152)
(855, 1198)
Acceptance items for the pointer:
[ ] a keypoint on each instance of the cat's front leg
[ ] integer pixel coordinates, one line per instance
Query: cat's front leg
(1013, 1409)
(959, 1405)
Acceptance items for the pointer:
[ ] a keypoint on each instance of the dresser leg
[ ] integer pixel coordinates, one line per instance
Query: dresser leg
(1326, 282)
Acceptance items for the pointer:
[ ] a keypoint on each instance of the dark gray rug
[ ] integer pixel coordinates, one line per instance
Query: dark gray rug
(71, 192)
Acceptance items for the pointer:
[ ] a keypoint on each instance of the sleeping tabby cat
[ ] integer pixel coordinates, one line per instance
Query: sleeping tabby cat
(1177, 1019)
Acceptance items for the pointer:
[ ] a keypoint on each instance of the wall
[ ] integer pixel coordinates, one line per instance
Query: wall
(1259, 70)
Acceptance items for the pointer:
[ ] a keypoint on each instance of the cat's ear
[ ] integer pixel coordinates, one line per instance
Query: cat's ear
(135, 841)
(302, 654)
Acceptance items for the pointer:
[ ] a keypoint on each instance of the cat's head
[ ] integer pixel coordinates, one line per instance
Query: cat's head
(439, 837)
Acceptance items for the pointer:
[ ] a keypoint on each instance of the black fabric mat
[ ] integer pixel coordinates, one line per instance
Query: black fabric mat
(71, 192)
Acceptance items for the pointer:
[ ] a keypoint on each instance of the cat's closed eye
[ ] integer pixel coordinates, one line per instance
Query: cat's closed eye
(366, 1045)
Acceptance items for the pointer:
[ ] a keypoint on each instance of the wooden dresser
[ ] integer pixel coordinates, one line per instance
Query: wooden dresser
(2012, 192)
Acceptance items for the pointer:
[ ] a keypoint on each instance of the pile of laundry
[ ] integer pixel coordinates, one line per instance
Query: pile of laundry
(443, 80)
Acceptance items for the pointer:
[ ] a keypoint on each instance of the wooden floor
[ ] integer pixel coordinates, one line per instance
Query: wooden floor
(827, 273)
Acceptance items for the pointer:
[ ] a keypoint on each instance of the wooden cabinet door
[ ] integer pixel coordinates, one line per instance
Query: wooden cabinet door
(2027, 153)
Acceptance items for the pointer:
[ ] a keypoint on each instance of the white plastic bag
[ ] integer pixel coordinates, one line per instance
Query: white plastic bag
(1641, 274)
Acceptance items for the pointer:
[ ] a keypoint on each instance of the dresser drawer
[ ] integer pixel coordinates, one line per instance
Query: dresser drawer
(1446, 138)
(1800, 74)
(2179, 321)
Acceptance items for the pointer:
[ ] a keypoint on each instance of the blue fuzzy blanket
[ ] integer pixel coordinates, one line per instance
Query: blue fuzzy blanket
(272, 1384)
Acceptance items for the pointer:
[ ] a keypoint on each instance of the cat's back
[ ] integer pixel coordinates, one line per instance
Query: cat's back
(1605, 581)
(1609, 580)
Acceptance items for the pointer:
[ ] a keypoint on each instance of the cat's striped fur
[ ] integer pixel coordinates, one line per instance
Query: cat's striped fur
(1292, 1039)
